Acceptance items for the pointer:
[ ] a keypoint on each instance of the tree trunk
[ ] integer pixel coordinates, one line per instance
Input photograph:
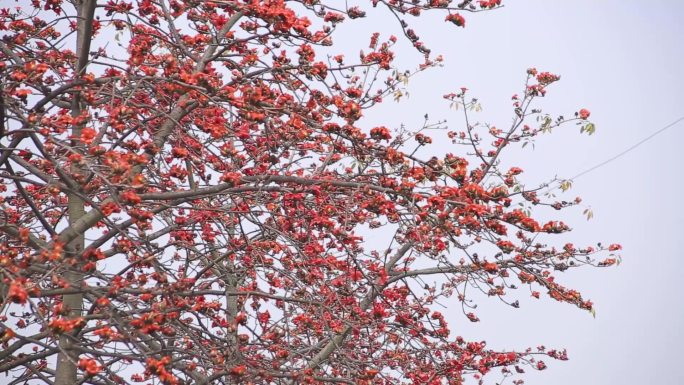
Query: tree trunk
(66, 369)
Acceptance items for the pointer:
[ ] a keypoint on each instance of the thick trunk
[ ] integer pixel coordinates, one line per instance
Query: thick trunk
(66, 369)
(79, 220)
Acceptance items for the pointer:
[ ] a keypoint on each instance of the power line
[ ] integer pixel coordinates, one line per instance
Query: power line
(605, 162)
(632, 147)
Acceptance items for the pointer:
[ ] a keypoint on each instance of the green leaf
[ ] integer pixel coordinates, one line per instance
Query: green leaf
(589, 128)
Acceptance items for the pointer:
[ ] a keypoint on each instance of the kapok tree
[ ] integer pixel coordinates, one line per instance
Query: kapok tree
(188, 191)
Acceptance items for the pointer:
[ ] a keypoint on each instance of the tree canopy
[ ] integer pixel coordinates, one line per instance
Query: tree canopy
(190, 195)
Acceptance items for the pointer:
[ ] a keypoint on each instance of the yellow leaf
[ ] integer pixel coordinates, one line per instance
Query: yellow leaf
(566, 185)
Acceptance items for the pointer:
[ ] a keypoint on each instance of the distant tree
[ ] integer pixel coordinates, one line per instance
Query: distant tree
(188, 191)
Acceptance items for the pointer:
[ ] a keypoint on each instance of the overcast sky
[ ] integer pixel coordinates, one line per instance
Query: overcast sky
(623, 61)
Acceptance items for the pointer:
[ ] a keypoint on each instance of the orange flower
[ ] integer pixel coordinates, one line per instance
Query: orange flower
(456, 19)
(89, 366)
(17, 292)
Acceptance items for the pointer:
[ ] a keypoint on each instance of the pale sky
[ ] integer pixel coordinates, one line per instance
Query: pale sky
(622, 60)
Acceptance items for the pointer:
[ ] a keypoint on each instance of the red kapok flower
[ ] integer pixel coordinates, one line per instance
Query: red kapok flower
(238, 370)
(89, 366)
(17, 292)
(380, 133)
(456, 19)
(130, 197)
(584, 113)
(88, 135)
